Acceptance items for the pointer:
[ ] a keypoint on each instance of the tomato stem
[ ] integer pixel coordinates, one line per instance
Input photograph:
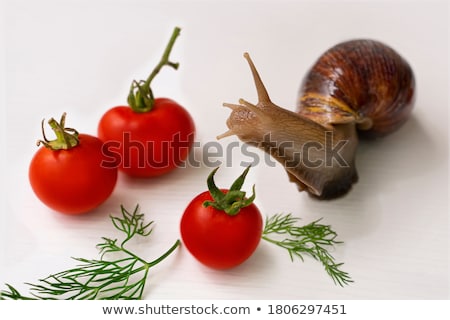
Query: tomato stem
(140, 97)
(66, 138)
(231, 201)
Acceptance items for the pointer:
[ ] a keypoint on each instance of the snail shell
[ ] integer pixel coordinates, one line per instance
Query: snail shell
(356, 86)
(361, 81)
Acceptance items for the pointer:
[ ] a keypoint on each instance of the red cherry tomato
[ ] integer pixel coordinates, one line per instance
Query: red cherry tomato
(217, 238)
(72, 181)
(150, 143)
(150, 137)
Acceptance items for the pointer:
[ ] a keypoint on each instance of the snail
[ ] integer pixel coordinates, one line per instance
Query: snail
(356, 89)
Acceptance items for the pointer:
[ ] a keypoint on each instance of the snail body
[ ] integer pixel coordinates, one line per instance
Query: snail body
(356, 88)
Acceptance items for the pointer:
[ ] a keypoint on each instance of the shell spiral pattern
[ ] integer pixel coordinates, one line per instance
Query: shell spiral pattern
(359, 80)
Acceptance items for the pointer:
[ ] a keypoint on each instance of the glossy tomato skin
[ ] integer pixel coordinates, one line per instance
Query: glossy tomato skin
(150, 143)
(72, 181)
(216, 239)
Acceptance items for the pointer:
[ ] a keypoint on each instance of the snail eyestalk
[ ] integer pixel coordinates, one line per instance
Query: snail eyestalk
(263, 96)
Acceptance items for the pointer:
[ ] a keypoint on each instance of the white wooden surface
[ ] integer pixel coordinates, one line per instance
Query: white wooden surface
(80, 57)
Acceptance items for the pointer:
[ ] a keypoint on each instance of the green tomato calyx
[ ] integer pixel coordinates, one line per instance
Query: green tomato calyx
(231, 201)
(140, 97)
(66, 138)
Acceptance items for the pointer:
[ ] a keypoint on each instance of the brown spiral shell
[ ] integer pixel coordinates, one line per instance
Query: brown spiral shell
(363, 81)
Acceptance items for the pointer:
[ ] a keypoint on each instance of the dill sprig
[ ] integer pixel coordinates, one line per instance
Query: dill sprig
(312, 239)
(122, 278)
